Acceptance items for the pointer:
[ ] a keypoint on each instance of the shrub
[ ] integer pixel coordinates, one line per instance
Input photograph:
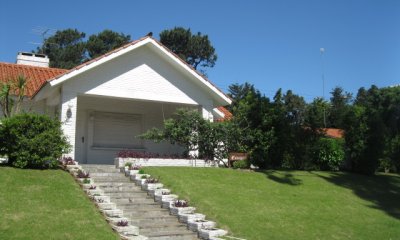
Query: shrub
(32, 141)
(141, 171)
(329, 154)
(242, 164)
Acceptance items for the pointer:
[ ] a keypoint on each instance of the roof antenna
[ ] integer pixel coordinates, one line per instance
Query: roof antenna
(43, 32)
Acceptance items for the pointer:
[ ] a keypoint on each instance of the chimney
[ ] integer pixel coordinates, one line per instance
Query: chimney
(33, 59)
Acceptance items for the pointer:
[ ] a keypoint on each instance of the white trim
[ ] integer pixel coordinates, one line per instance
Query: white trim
(76, 72)
(219, 113)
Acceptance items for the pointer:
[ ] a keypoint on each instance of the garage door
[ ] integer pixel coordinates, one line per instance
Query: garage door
(116, 130)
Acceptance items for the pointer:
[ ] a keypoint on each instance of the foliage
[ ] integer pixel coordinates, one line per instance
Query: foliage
(33, 141)
(329, 153)
(241, 164)
(86, 181)
(82, 174)
(128, 164)
(66, 48)
(195, 49)
(105, 41)
(152, 180)
(340, 101)
(122, 223)
(141, 171)
(181, 203)
(183, 130)
(12, 94)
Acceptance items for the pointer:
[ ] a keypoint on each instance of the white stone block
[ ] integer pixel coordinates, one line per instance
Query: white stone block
(211, 233)
(181, 210)
(200, 224)
(186, 217)
(164, 198)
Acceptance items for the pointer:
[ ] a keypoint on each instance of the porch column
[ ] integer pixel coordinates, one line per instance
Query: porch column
(68, 118)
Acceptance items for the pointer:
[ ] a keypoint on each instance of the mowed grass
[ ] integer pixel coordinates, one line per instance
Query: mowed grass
(291, 204)
(47, 204)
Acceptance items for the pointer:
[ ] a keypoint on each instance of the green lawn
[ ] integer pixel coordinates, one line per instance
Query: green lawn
(291, 204)
(47, 204)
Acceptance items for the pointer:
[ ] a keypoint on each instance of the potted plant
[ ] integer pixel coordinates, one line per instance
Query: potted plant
(151, 183)
(181, 207)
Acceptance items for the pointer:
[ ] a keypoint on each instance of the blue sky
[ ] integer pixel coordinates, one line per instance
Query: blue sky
(271, 44)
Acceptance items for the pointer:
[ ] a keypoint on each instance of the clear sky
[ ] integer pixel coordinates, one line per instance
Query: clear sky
(271, 44)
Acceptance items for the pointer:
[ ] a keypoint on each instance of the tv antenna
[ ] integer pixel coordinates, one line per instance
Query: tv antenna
(43, 32)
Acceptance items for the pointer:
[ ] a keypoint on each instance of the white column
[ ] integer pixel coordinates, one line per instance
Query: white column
(68, 112)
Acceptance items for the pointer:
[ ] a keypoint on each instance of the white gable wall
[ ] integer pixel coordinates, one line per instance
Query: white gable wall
(140, 74)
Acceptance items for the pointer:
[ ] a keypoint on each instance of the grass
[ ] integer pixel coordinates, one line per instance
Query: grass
(47, 204)
(291, 204)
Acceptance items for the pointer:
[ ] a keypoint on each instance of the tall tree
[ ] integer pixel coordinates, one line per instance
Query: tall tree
(105, 41)
(66, 48)
(195, 49)
(340, 102)
(315, 113)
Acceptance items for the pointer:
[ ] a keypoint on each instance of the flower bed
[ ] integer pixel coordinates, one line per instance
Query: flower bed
(155, 159)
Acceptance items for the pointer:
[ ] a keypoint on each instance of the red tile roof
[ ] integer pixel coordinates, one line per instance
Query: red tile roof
(227, 115)
(35, 76)
(333, 132)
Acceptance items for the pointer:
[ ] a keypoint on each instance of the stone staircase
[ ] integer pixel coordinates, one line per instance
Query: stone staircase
(141, 210)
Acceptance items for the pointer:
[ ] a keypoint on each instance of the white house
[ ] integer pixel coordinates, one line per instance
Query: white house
(106, 102)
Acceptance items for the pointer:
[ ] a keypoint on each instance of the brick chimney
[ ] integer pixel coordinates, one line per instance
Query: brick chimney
(33, 59)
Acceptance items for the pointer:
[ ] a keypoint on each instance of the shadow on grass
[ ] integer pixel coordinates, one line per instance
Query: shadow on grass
(283, 177)
(382, 191)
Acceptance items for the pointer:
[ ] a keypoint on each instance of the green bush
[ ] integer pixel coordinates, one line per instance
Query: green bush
(32, 141)
(242, 164)
(329, 153)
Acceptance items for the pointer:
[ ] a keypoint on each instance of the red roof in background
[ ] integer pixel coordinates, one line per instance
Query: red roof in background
(333, 132)
(227, 115)
(35, 76)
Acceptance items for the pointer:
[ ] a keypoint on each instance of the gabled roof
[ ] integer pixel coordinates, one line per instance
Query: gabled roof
(35, 76)
(127, 48)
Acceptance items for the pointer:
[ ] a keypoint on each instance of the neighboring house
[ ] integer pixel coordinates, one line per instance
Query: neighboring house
(333, 132)
(106, 102)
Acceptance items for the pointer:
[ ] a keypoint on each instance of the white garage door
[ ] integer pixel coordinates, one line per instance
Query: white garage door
(116, 130)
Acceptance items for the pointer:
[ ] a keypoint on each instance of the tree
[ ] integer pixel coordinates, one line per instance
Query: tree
(12, 93)
(315, 113)
(340, 102)
(105, 41)
(66, 48)
(195, 49)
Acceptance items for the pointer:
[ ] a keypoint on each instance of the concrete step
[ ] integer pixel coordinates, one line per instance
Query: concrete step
(171, 234)
(158, 219)
(132, 200)
(142, 213)
(136, 205)
(142, 206)
(110, 179)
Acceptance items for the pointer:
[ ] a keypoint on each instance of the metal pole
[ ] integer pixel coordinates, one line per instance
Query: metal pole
(322, 50)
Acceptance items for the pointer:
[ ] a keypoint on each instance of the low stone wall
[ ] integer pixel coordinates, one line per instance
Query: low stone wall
(159, 162)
